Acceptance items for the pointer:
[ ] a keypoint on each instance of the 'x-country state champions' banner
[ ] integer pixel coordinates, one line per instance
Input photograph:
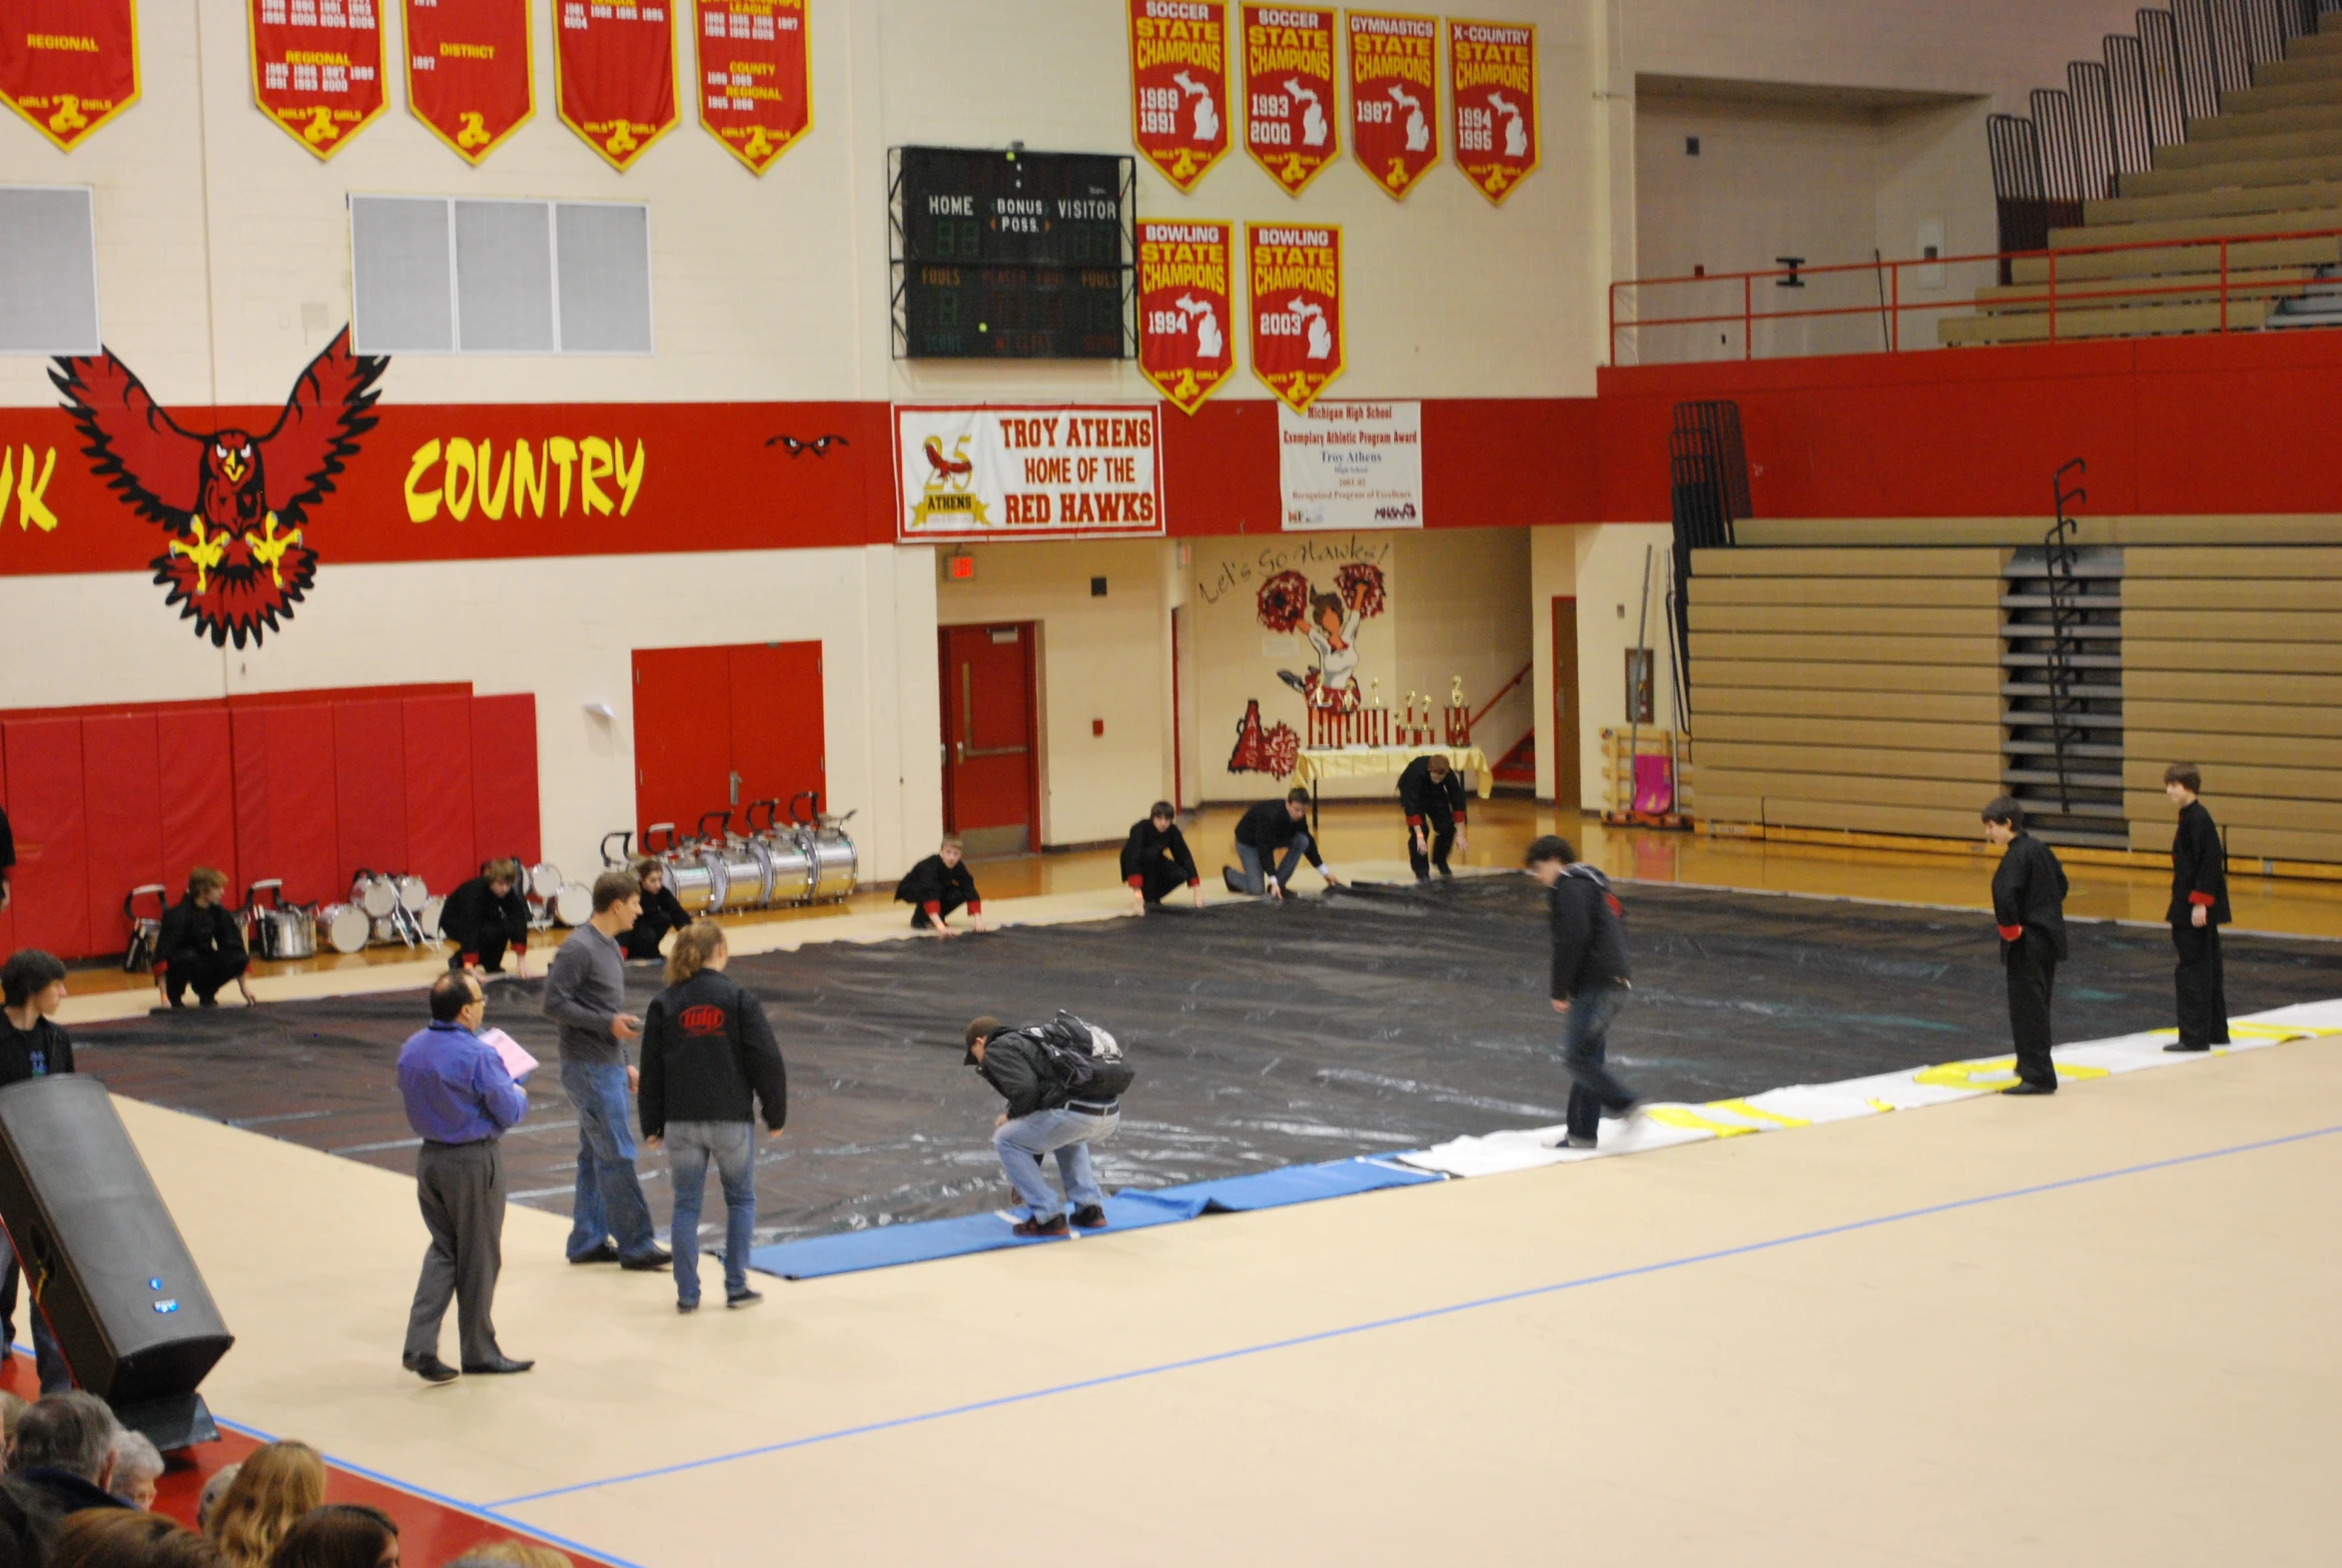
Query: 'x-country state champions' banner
(1187, 304)
(1492, 87)
(68, 66)
(755, 85)
(316, 68)
(1050, 471)
(615, 68)
(1178, 86)
(469, 76)
(1294, 299)
(1290, 109)
(1394, 97)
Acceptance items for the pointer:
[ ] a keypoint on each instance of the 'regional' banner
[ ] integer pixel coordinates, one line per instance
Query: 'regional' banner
(615, 70)
(469, 76)
(1394, 97)
(1186, 303)
(1296, 302)
(68, 66)
(755, 77)
(1178, 86)
(1492, 88)
(1289, 107)
(316, 68)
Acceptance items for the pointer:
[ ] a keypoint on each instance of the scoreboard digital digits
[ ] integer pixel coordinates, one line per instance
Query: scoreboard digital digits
(1011, 254)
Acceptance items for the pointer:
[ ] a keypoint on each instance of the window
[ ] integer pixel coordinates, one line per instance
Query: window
(48, 271)
(431, 275)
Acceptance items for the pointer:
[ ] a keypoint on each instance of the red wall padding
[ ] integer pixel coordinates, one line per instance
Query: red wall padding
(199, 796)
(51, 883)
(256, 850)
(7, 916)
(122, 792)
(503, 777)
(440, 845)
(302, 820)
(370, 787)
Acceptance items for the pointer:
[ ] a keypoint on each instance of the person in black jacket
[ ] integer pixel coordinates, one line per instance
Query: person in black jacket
(1155, 862)
(937, 886)
(2199, 908)
(484, 917)
(1272, 834)
(1431, 793)
(2028, 905)
(199, 948)
(1589, 983)
(663, 912)
(32, 1044)
(1045, 1117)
(709, 1063)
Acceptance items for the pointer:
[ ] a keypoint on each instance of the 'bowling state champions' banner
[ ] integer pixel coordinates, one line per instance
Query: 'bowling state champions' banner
(1178, 86)
(1394, 97)
(1289, 108)
(1492, 71)
(1296, 302)
(755, 78)
(615, 65)
(468, 78)
(1186, 304)
(316, 68)
(68, 66)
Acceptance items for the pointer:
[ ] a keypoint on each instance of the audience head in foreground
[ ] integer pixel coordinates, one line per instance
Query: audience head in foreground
(276, 1485)
(128, 1538)
(64, 1445)
(136, 1467)
(340, 1535)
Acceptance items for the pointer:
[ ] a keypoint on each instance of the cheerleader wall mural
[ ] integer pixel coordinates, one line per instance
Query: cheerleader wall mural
(1325, 619)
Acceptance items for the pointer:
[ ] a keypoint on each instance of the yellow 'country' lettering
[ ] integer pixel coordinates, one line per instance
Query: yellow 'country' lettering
(630, 478)
(422, 504)
(595, 467)
(492, 502)
(528, 487)
(564, 451)
(462, 460)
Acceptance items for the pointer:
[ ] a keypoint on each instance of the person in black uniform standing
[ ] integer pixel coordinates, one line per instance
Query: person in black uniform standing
(1155, 862)
(663, 912)
(2199, 908)
(485, 915)
(199, 948)
(2028, 905)
(938, 885)
(1271, 830)
(1431, 793)
(1589, 983)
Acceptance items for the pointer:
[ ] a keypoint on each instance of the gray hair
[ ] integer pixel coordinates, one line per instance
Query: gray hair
(135, 1459)
(71, 1432)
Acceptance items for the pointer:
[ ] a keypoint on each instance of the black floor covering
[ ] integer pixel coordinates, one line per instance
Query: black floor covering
(1379, 1020)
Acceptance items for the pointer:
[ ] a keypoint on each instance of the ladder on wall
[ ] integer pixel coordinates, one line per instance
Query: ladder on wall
(2062, 681)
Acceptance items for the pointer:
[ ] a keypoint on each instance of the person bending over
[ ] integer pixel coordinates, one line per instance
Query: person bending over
(1155, 862)
(485, 915)
(1272, 834)
(2029, 906)
(938, 885)
(2199, 908)
(199, 948)
(1431, 793)
(1061, 1100)
(1589, 983)
(32, 1044)
(663, 912)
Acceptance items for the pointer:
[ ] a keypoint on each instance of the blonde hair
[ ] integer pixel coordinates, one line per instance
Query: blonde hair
(276, 1485)
(520, 1554)
(504, 871)
(203, 879)
(694, 945)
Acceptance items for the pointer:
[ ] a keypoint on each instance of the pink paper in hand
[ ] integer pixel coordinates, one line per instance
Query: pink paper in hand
(517, 1061)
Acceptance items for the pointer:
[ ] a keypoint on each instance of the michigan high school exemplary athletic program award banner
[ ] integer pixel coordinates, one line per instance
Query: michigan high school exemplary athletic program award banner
(1492, 86)
(1178, 86)
(1394, 97)
(1049, 470)
(68, 66)
(1294, 302)
(1289, 107)
(468, 77)
(755, 77)
(1352, 465)
(316, 68)
(614, 66)
(1186, 309)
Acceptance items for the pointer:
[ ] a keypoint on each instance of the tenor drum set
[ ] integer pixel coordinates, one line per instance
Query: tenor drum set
(807, 857)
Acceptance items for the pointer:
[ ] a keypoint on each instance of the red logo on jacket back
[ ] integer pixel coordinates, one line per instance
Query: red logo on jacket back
(703, 1019)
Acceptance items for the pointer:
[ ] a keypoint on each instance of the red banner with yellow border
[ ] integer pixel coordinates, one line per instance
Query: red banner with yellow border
(1187, 300)
(1178, 86)
(1492, 90)
(615, 67)
(69, 66)
(1291, 108)
(1294, 295)
(316, 68)
(468, 71)
(755, 83)
(1394, 97)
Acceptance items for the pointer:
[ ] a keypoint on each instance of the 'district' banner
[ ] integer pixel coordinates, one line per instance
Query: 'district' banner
(615, 65)
(1492, 86)
(1296, 302)
(1394, 97)
(1178, 86)
(755, 77)
(1289, 106)
(316, 68)
(1186, 303)
(68, 66)
(468, 71)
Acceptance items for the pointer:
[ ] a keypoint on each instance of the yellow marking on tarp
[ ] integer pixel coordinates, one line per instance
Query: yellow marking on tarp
(1744, 1109)
(1691, 1120)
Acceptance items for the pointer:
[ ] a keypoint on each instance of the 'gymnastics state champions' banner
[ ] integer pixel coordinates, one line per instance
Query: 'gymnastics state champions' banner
(1394, 97)
(616, 66)
(468, 71)
(1186, 303)
(1178, 86)
(68, 66)
(755, 77)
(1295, 304)
(1054, 471)
(1289, 107)
(316, 68)
(1492, 86)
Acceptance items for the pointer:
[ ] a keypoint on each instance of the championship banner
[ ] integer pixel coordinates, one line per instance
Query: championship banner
(468, 78)
(316, 68)
(1394, 97)
(1295, 300)
(1185, 301)
(755, 77)
(614, 66)
(1492, 87)
(1289, 108)
(1046, 472)
(68, 66)
(1178, 86)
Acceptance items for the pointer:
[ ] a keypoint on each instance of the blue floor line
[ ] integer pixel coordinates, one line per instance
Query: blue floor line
(1424, 1315)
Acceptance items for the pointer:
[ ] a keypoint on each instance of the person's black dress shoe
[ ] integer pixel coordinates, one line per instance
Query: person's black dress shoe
(2182, 1046)
(655, 1258)
(503, 1363)
(604, 1254)
(428, 1367)
(2031, 1089)
(1054, 1225)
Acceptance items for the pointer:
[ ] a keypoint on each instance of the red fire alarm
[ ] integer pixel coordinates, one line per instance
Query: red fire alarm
(961, 568)
(1097, 726)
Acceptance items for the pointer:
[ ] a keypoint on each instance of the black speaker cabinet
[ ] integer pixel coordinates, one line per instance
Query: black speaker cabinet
(102, 1259)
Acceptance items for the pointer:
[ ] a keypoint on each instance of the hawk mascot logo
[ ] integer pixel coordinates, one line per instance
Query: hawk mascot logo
(231, 504)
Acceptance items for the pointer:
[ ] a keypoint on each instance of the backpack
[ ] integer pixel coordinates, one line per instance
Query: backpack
(1085, 1058)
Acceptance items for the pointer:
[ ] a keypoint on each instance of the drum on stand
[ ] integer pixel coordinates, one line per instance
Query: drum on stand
(544, 880)
(377, 896)
(572, 903)
(428, 916)
(346, 927)
(413, 895)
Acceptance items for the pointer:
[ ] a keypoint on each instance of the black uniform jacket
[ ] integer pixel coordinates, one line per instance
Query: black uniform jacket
(472, 912)
(1589, 937)
(7, 847)
(1420, 796)
(931, 884)
(2028, 892)
(191, 928)
(2199, 867)
(1015, 1063)
(46, 1039)
(663, 912)
(706, 1047)
(1270, 828)
(1146, 848)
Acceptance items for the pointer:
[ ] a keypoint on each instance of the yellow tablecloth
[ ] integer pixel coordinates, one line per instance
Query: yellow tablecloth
(1313, 767)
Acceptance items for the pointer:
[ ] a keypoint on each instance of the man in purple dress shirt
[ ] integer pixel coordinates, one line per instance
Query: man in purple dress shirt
(460, 1100)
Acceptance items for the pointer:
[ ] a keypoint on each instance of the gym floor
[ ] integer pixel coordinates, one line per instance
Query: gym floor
(2086, 1329)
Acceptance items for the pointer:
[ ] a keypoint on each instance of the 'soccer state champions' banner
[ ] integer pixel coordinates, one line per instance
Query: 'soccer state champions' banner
(755, 77)
(1289, 107)
(616, 68)
(316, 68)
(1350, 465)
(68, 66)
(468, 71)
(1492, 86)
(1178, 86)
(1186, 304)
(1295, 304)
(1394, 97)
(1044, 472)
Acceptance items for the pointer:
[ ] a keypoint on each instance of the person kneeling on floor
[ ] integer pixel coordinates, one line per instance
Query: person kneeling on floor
(2028, 905)
(1155, 862)
(937, 886)
(485, 915)
(1431, 793)
(199, 948)
(1063, 1083)
(663, 912)
(1262, 833)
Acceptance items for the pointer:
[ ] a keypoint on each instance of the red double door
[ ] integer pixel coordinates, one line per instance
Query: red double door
(717, 728)
(991, 734)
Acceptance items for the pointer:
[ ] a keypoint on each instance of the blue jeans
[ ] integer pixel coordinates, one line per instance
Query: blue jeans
(1022, 1144)
(56, 1377)
(1253, 865)
(1594, 1089)
(732, 1146)
(609, 1197)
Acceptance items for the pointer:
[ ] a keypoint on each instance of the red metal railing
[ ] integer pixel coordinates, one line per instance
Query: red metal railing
(2175, 283)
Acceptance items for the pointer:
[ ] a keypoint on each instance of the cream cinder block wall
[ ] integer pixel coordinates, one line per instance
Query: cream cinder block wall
(1467, 613)
(1553, 575)
(1610, 563)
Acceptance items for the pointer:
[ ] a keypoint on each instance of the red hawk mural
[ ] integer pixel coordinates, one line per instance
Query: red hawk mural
(232, 504)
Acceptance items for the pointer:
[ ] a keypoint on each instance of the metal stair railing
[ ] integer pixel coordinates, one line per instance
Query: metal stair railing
(2065, 616)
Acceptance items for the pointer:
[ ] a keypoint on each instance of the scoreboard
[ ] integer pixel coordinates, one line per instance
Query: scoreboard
(1011, 254)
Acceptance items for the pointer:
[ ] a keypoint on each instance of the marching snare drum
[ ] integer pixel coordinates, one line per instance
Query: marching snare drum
(413, 895)
(278, 930)
(346, 927)
(544, 880)
(428, 916)
(572, 903)
(377, 896)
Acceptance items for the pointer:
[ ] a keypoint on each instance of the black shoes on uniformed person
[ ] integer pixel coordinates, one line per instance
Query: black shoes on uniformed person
(604, 1254)
(428, 1367)
(503, 1363)
(2031, 1089)
(1090, 1218)
(656, 1257)
(1054, 1224)
(2181, 1045)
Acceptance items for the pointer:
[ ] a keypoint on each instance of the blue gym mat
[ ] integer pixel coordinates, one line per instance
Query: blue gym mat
(1133, 1209)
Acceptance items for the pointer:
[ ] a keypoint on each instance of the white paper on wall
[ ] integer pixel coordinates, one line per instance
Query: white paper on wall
(1351, 465)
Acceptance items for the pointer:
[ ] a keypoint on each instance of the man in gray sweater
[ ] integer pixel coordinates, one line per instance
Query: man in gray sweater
(585, 989)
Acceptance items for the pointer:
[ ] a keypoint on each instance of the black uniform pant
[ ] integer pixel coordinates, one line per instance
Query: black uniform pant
(2203, 993)
(2033, 975)
(201, 970)
(488, 946)
(641, 940)
(947, 902)
(461, 1190)
(1441, 831)
(1160, 880)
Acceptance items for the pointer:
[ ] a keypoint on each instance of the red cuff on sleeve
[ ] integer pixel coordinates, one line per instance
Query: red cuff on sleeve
(1460, 819)
(976, 906)
(934, 908)
(1195, 881)
(1414, 821)
(521, 946)
(470, 959)
(2205, 899)
(1136, 883)
(2010, 933)
(161, 965)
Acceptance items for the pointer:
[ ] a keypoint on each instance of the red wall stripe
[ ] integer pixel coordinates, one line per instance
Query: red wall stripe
(50, 888)
(122, 792)
(440, 843)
